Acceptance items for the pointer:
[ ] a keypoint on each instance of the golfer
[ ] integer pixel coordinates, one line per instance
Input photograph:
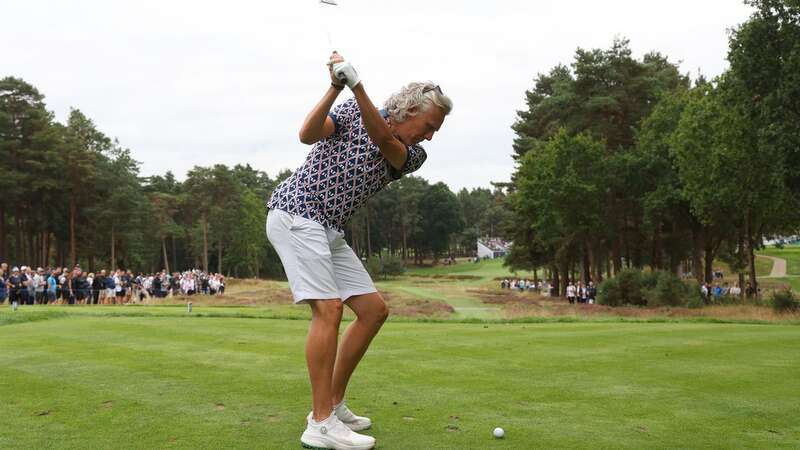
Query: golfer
(357, 150)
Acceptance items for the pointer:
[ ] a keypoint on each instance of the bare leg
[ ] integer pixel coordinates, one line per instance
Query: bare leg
(371, 311)
(326, 315)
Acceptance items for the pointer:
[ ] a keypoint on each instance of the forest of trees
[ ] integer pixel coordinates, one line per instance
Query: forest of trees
(620, 162)
(626, 162)
(73, 195)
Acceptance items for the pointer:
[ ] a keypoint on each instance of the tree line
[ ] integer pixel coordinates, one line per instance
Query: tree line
(73, 195)
(626, 162)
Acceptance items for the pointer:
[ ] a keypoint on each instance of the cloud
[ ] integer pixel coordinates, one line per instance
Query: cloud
(183, 83)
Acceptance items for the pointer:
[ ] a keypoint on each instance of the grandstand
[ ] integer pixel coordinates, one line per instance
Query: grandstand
(492, 248)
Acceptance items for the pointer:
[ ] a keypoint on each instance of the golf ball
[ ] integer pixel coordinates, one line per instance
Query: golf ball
(498, 432)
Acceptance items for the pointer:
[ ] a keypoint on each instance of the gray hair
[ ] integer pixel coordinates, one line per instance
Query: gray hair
(416, 95)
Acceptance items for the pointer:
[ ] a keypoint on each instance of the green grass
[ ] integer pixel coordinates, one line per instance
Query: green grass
(486, 269)
(790, 253)
(763, 267)
(160, 379)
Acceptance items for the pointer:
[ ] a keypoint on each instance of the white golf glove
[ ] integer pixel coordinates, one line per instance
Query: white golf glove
(345, 72)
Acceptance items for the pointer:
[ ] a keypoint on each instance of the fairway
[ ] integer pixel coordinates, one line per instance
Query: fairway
(97, 381)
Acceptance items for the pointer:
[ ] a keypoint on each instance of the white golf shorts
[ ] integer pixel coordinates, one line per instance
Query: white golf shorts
(318, 262)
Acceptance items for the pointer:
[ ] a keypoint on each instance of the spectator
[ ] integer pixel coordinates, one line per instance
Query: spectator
(37, 283)
(52, 284)
(3, 286)
(591, 293)
(98, 287)
(27, 284)
(119, 287)
(571, 292)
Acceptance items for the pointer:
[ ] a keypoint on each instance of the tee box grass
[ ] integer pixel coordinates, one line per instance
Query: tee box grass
(189, 381)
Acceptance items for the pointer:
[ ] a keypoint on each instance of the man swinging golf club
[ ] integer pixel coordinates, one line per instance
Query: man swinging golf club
(357, 150)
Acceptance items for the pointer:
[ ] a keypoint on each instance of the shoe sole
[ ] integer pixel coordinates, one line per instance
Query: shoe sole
(317, 447)
(304, 445)
(312, 447)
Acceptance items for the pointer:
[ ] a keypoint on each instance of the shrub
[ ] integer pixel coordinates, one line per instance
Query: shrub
(374, 267)
(658, 288)
(390, 266)
(624, 289)
(393, 266)
(694, 298)
(669, 290)
(783, 300)
(608, 293)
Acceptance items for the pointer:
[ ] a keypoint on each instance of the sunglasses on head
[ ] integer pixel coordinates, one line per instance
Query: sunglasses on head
(434, 88)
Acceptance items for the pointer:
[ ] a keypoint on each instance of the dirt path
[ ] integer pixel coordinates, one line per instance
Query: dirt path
(778, 266)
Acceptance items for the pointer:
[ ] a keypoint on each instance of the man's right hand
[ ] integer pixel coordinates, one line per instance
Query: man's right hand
(344, 71)
(335, 59)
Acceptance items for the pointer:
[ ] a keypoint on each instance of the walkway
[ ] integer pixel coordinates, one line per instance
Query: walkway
(778, 267)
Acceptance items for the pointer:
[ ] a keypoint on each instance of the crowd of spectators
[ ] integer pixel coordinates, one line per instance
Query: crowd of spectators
(28, 286)
(719, 292)
(576, 293)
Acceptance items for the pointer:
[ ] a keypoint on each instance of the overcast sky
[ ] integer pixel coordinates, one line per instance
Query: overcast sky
(185, 83)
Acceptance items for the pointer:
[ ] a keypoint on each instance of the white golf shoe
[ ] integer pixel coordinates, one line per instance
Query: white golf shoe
(354, 422)
(332, 433)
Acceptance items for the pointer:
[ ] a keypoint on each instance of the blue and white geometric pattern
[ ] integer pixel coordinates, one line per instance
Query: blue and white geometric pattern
(340, 173)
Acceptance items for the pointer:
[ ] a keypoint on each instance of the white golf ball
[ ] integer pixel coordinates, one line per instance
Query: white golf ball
(498, 432)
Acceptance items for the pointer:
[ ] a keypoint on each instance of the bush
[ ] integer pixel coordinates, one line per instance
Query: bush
(390, 266)
(658, 288)
(669, 290)
(624, 289)
(393, 266)
(694, 298)
(374, 267)
(784, 301)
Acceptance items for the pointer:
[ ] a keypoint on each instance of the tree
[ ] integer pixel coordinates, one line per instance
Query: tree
(560, 192)
(441, 218)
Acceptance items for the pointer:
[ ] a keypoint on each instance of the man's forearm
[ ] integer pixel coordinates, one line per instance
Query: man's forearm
(378, 130)
(376, 126)
(312, 128)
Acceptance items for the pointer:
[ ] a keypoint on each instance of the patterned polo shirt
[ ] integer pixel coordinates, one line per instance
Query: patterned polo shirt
(341, 172)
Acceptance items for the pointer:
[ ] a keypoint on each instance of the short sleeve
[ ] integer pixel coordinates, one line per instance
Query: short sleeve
(344, 115)
(415, 156)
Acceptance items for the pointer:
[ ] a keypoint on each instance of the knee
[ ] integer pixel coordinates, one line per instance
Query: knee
(328, 311)
(379, 315)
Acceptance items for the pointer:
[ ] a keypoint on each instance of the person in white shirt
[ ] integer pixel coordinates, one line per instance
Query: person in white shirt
(571, 292)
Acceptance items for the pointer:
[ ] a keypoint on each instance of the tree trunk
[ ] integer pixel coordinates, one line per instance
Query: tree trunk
(3, 240)
(113, 249)
(33, 254)
(369, 238)
(18, 256)
(562, 292)
(586, 268)
(405, 244)
(616, 257)
(205, 243)
(164, 253)
(637, 247)
(697, 264)
(751, 255)
(73, 245)
(45, 249)
(556, 287)
(656, 257)
(174, 255)
(709, 258)
(219, 258)
(59, 252)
